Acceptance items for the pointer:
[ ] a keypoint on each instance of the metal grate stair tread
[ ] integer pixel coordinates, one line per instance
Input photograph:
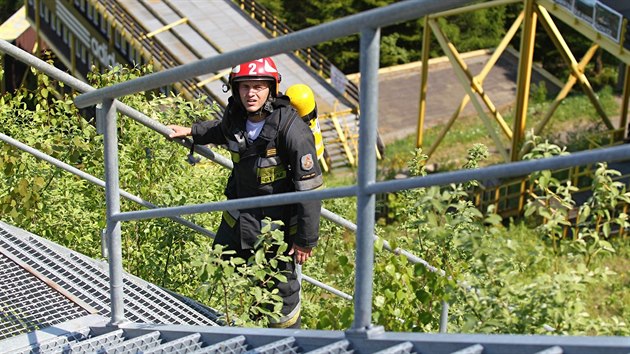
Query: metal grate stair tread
(98, 344)
(282, 346)
(402, 348)
(340, 347)
(234, 345)
(182, 345)
(138, 344)
(88, 281)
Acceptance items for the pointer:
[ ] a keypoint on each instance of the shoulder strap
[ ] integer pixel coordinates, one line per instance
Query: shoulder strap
(285, 124)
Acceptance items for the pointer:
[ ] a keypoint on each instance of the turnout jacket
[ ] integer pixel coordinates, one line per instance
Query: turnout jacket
(281, 159)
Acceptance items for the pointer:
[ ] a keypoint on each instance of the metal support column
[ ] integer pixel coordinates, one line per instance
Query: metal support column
(366, 201)
(3, 79)
(426, 41)
(523, 81)
(112, 202)
(38, 28)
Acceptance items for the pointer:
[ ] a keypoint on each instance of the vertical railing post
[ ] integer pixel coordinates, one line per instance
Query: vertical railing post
(370, 46)
(112, 202)
(444, 317)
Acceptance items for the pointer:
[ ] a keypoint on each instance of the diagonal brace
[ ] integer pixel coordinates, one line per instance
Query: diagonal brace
(565, 51)
(465, 81)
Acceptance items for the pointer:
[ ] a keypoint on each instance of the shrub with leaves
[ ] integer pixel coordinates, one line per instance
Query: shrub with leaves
(245, 289)
(496, 278)
(63, 208)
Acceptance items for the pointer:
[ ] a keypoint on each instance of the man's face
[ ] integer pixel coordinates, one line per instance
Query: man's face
(253, 94)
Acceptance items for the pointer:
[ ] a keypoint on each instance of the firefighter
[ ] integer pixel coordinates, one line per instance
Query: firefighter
(273, 151)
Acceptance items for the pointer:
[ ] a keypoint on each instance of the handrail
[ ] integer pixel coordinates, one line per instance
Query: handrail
(99, 182)
(204, 151)
(365, 230)
(368, 25)
(150, 123)
(135, 115)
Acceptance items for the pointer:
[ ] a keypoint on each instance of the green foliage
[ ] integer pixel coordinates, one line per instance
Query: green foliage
(37, 196)
(595, 218)
(497, 276)
(244, 289)
(333, 263)
(601, 214)
(8, 8)
(539, 93)
(555, 199)
(521, 287)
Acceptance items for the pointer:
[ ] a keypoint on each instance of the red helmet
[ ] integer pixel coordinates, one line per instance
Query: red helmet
(259, 69)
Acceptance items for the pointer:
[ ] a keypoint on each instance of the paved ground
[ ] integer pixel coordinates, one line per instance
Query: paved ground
(399, 93)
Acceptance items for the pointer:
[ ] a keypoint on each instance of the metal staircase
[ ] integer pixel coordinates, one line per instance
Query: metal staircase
(52, 282)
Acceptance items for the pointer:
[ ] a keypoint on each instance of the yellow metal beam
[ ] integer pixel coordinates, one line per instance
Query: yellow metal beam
(477, 87)
(480, 77)
(523, 80)
(565, 51)
(566, 89)
(324, 165)
(509, 35)
(587, 30)
(426, 39)
(451, 53)
(344, 141)
(165, 28)
(3, 78)
(38, 27)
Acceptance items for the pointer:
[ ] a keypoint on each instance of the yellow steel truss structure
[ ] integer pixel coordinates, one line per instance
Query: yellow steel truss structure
(534, 12)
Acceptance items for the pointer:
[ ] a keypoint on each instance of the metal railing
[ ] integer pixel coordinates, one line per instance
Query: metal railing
(130, 112)
(368, 24)
(139, 117)
(81, 86)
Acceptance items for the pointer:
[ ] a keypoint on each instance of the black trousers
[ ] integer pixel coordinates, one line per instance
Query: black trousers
(289, 291)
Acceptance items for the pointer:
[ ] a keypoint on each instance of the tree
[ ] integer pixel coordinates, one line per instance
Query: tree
(401, 43)
(8, 8)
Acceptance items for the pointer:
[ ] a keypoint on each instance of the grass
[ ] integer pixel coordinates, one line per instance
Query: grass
(574, 120)
(613, 299)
